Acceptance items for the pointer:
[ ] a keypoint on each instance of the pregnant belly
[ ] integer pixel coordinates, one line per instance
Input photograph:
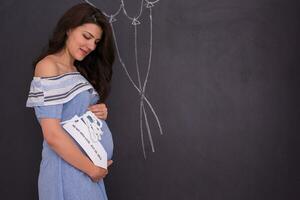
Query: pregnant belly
(106, 140)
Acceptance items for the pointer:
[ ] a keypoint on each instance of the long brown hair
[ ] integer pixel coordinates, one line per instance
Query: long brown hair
(96, 67)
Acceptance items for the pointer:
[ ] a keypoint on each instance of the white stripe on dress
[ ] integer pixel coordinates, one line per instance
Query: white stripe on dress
(57, 89)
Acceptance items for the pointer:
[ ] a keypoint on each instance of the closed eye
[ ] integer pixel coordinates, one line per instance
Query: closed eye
(86, 37)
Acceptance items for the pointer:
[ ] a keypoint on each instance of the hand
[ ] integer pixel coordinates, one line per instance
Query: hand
(100, 110)
(98, 173)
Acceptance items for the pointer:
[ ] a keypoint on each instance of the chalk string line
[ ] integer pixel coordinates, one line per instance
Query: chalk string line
(141, 87)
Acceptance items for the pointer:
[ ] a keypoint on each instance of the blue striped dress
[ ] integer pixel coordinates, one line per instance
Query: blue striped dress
(62, 97)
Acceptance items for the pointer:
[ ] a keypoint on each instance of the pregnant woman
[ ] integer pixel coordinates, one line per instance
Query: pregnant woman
(72, 76)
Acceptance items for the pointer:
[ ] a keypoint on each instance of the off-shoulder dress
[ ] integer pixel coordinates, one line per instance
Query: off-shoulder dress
(62, 97)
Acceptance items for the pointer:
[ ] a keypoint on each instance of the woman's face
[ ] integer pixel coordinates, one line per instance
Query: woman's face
(82, 40)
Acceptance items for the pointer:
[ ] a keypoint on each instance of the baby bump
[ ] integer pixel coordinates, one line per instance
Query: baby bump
(107, 140)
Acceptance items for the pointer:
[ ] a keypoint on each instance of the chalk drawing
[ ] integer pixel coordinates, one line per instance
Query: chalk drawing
(141, 85)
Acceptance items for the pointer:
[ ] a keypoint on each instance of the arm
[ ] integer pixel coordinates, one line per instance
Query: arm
(56, 136)
(63, 145)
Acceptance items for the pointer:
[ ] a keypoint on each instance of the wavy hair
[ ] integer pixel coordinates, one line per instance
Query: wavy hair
(96, 67)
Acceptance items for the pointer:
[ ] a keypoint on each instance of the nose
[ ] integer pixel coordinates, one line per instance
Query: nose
(91, 46)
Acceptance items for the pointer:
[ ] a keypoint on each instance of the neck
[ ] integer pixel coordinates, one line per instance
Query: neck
(66, 58)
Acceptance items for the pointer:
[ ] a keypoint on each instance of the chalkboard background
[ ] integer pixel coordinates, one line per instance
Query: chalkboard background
(224, 82)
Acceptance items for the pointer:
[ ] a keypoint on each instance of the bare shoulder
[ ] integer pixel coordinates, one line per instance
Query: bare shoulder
(46, 67)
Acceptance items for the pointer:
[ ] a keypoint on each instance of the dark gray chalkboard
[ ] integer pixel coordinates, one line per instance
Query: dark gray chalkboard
(224, 82)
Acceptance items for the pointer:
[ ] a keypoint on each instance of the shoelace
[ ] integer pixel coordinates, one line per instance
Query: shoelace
(94, 125)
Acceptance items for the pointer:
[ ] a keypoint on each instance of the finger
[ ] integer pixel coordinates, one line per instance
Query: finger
(102, 105)
(109, 162)
(99, 106)
(99, 112)
(101, 109)
(96, 110)
(104, 174)
(93, 108)
(101, 116)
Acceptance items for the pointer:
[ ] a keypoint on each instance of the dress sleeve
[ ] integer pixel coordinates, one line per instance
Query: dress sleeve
(47, 95)
(52, 111)
(36, 100)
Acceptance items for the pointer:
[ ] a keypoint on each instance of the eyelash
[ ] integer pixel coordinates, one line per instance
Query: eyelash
(86, 37)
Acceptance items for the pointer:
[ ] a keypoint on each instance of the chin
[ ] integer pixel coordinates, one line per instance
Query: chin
(80, 58)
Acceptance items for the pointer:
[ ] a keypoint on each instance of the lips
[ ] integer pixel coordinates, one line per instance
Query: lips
(83, 52)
